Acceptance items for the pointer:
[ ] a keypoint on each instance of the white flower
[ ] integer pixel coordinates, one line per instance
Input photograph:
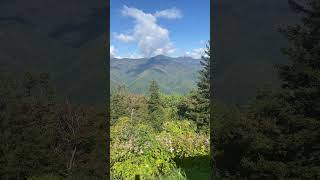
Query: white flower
(171, 149)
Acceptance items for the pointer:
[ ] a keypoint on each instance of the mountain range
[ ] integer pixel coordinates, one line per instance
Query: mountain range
(174, 75)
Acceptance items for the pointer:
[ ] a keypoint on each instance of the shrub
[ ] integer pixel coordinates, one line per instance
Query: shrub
(136, 151)
(181, 139)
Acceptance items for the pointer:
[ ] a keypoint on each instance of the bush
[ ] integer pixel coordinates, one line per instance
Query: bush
(137, 149)
(181, 139)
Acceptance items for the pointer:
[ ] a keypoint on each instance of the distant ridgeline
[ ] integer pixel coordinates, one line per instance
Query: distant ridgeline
(174, 75)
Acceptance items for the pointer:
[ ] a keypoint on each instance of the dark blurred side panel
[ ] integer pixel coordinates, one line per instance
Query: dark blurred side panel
(265, 109)
(63, 38)
(247, 46)
(53, 92)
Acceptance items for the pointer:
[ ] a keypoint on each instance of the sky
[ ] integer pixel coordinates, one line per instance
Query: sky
(146, 28)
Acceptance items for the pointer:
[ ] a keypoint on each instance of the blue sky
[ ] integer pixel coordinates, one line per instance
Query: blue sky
(145, 28)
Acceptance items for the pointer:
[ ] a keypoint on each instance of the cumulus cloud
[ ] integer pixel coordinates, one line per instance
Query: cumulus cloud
(135, 56)
(124, 38)
(172, 13)
(151, 38)
(196, 53)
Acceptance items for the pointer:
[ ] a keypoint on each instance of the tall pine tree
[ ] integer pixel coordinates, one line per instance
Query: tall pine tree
(154, 99)
(203, 85)
(155, 106)
(196, 106)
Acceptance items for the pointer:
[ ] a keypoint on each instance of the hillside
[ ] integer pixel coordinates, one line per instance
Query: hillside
(174, 75)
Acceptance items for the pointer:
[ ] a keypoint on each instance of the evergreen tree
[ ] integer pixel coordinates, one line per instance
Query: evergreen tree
(154, 102)
(154, 105)
(118, 103)
(203, 98)
(196, 106)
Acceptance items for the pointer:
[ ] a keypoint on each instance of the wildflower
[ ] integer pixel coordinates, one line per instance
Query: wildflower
(171, 149)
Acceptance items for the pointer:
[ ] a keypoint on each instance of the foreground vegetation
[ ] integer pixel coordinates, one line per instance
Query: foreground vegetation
(148, 143)
(159, 136)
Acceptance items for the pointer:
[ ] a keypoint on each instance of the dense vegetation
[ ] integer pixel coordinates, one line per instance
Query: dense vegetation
(161, 136)
(46, 137)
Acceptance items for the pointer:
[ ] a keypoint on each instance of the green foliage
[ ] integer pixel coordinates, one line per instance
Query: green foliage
(149, 145)
(118, 103)
(139, 149)
(197, 104)
(170, 101)
(170, 104)
(128, 104)
(154, 102)
(136, 151)
(155, 106)
(181, 139)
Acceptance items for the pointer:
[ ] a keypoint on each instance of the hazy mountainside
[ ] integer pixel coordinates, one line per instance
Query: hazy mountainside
(174, 75)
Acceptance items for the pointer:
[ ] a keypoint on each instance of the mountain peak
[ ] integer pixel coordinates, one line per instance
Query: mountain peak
(160, 57)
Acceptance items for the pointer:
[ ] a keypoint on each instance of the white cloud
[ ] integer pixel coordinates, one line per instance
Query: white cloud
(196, 53)
(124, 38)
(135, 56)
(151, 38)
(112, 51)
(172, 13)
